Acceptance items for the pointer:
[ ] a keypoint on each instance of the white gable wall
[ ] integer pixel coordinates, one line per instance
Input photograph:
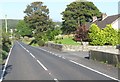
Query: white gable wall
(116, 24)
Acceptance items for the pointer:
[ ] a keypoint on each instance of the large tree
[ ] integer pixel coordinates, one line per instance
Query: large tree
(37, 16)
(23, 29)
(78, 13)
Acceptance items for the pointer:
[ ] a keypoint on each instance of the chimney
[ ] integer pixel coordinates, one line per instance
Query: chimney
(104, 15)
(94, 18)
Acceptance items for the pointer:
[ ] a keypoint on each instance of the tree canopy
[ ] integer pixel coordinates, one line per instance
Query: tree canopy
(78, 13)
(23, 29)
(37, 17)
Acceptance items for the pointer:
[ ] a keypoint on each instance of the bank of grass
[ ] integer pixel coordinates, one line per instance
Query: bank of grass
(27, 40)
(67, 41)
(0, 59)
(36, 45)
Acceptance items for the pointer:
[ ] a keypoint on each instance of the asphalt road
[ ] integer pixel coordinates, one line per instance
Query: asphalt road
(29, 63)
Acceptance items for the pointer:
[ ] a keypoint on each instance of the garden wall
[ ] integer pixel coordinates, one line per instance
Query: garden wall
(106, 56)
(77, 47)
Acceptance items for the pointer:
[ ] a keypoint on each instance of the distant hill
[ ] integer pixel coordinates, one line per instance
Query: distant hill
(11, 23)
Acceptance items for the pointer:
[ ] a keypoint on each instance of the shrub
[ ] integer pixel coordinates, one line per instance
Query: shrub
(41, 43)
(108, 35)
(59, 42)
(111, 35)
(4, 54)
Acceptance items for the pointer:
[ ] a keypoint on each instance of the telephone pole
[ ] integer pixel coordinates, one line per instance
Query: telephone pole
(6, 23)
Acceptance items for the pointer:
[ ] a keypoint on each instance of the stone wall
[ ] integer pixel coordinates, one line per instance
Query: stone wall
(55, 46)
(106, 54)
(77, 47)
(109, 57)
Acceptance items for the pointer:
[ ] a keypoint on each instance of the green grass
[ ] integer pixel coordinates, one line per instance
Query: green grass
(35, 45)
(67, 41)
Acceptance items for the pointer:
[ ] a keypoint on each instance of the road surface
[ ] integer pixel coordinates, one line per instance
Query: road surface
(30, 63)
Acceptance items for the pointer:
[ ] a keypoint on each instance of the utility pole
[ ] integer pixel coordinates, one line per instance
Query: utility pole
(6, 23)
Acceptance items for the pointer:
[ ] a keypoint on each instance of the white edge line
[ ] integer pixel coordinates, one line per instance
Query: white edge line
(2, 75)
(85, 67)
(94, 70)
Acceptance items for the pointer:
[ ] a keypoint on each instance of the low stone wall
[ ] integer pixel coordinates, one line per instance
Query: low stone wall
(85, 48)
(106, 54)
(55, 46)
(77, 47)
(109, 57)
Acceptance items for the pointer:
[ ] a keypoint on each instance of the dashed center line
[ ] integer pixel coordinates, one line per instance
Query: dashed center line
(56, 80)
(42, 65)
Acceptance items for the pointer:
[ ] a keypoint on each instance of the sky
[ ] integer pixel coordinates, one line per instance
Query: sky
(14, 8)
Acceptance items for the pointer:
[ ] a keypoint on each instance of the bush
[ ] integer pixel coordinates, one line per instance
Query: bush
(96, 35)
(111, 35)
(4, 54)
(41, 43)
(59, 42)
(108, 35)
(6, 43)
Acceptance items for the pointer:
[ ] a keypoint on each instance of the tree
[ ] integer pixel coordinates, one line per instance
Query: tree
(78, 13)
(23, 29)
(37, 16)
(81, 34)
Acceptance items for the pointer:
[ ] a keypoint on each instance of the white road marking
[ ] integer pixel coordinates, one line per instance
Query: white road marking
(3, 72)
(86, 67)
(63, 58)
(56, 80)
(27, 50)
(42, 65)
(94, 70)
(32, 55)
(35, 58)
(37, 61)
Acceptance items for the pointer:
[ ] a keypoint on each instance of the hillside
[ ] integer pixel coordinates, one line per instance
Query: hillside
(11, 23)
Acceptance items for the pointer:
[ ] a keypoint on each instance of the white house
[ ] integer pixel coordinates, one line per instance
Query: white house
(114, 20)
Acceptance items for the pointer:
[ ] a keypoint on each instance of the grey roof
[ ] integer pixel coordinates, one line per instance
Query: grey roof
(108, 20)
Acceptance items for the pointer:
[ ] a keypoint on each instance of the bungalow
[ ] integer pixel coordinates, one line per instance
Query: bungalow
(114, 20)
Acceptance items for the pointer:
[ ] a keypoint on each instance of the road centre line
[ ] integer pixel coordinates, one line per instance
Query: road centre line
(35, 58)
(32, 55)
(42, 65)
(56, 80)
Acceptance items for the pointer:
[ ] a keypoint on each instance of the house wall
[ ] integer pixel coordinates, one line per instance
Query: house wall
(116, 24)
